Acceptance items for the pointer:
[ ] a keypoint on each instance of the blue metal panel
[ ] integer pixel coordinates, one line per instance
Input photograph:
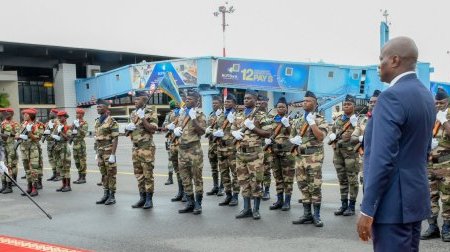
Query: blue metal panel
(205, 71)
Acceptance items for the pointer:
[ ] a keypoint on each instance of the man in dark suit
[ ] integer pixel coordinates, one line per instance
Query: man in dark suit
(397, 142)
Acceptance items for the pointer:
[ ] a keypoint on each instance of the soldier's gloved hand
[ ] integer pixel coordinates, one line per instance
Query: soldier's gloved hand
(76, 123)
(230, 117)
(3, 168)
(60, 127)
(218, 112)
(218, 133)
(441, 116)
(297, 140)
(332, 137)
(181, 111)
(192, 113)
(171, 126)
(178, 131)
(56, 137)
(112, 159)
(361, 138)
(237, 134)
(311, 119)
(354, 120)
(249, 124)
(23, 136)
(140, 113)
(208, 130)
(74, 131)
(47, 132)
(130, 127)
(285, 121)
(434, 143)
(29, 127)
(268, 141)
(50, 124)
(96, 157)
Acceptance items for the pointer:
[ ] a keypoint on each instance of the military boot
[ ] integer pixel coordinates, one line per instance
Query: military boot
(79, 177)
(52, 177)
(140, 202)
(28, 189)
(62, 186)
(279, 203)
(169, 179)
(287, 203)
(215, 188)
(8, 188)
(189, 207)
(3, 186)
(58, 177)
(104, 198)
(350, 209)
(180, 193)
(82, 179)
(67, 187)
(15, 179)
(34, 191)
(446, 231)
(111, 199)
(247, 211)
(198, 204)
(39, 183)
(184, 199)
(220, 193)
(256, 202)
(316, 218)
(234, 200)
(227, 200)
(432, 231)
(148, 201)
(307, 217)
(23, 177)
(342, 209)
(266, 194)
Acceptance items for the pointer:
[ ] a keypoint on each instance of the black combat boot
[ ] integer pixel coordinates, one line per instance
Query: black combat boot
(3, 186)
(39, 183)
(189, 206)
(215, 188)
(256, 202)
(227, 200)
(82, 179)
(247, 211)
(79, 177)
(266, 194)
(23, 177)
(140, 202)
(342, 209)
(169, 179)
(287, 203)
(180, 193)
(351, 209)
(28, 189)
(316, 218)
(8, 188)
(104, 198)
(184, 199)
(58, 177)
(111, 199)
(307, 217)
(62, 186)
(234, 200)
(34, 191)
(279, 203)
(52, 177)
(148, 201)
(67, 188)
(198, 204)
(446, 231)
(220, 193)
(15, 179)
(432, 231)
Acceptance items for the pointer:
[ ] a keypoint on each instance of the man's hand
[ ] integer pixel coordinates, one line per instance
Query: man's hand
(23, 136)
(76, 123)
(29, 127)
(74, 132)
(130, 127)
(193, 114)
(364, 227)
(230, 117)
(112, 159)
(354, 120)
(237, 134)
(56, 137)
(218, 133)
(268, 141)
(50, 124)
(218, 112)
(140, 113)
(178, 131)
(47, 132)
(441, 116)
(60, 127)
(297, 140)
(434, 143)
(311, 119)
(361, 138)
(208, 130)
(249, 124)
(3, 168)
(332, 137)
(285, 121)
(171, 126)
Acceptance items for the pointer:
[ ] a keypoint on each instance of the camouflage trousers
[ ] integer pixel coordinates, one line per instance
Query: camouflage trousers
(50, 154)
(61, 153)
(345, 161)
(143, 164)
(11, 160)
(283, 171)
(79, 156)
(173, 157)
(190, 162)
(227, 166)
(108, 170)
(31, 160)
(250, 171)
(169, 164)
(361, 169)
(439, 188)
(267, 163)
(213, 159)
(309, 176)
(41, 163)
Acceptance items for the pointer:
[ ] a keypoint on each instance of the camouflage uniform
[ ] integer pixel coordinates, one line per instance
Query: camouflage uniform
(50, 147)
(212, 155)
(362, 124)
(174, 117)
(165, 123)
(79, 147)
(267, 163)
(61, 151)
(10, 128)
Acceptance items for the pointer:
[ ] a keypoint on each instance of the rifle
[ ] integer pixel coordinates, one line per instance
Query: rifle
(302, 133)
(73, 135)
(346, 127)
(46, 128)
(169, 133)
(437, 126)
(20, 140)
(185, 122)
(243, 129)
(276, 132)
(212, 126)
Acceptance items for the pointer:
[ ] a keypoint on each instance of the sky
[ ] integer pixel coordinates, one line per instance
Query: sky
(338, 32)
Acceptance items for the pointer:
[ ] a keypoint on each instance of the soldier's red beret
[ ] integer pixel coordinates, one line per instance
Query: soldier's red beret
(62, 113)
(29, 111)
(53, 110)
(80, 111)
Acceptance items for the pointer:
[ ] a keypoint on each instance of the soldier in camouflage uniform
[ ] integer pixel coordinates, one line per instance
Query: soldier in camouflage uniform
(439, 170)
(345, 158)
(262, 104)
(279, 148)
(212, 146)
(49, 126)
(8, 132)
(227, 152)
(249, 127)
(107, 134)
(62, 154)
(30, 134)
(190, 128)
(166, 122)
(307, 134)
(144, 123)
(79, 131)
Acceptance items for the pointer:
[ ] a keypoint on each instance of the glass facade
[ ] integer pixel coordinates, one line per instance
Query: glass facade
(34, 92)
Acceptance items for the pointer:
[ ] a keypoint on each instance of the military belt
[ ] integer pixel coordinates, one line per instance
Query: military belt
(101, 143)
(441, 158)
(310, 150)
(142, 144)
(225, 143)
(185, 146)
(244, 149)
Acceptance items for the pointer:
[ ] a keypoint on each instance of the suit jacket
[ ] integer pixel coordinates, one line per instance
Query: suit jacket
(396, 143)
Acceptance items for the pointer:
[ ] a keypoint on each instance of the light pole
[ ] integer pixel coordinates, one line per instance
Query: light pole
(224, 9)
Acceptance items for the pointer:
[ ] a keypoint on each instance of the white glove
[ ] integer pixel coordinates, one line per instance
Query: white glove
(60, 127)
(237, 134)
(56, 137)
(267, 141)
(332, 137)
(230, 117)
(23, 136)
(208, 130)
(51, 125)
(192, 113)
(47, 132)
(441, 116)
(96, 157)
(74, 132)
(361, 138)
(29, 127)
(3, 168)
(218, 112)
(171, 126)
(297, 140)
(354, 120)
(112, 159)
(130, 127)
(285, 121)
(311, 119)
(181, 111)
(434, 143)
(76, 123)
(249, 124)
(218, 133)
(178, 131)
(140, 113)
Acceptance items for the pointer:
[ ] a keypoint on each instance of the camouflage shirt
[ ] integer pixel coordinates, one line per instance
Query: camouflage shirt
(105, 132)
(443, 138)
(34, 135)
(284, 134)
(140, 134)
(10, 128)
(189, 135)
(250, 138)
(55, 121)
(227, 138)
(339, 125)
(309, 139)
(212, 122)
(172, 118)
(67, 130)
(81, 131)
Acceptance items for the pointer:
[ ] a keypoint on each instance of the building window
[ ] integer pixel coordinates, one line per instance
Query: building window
(330, 74)
(34, 92)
